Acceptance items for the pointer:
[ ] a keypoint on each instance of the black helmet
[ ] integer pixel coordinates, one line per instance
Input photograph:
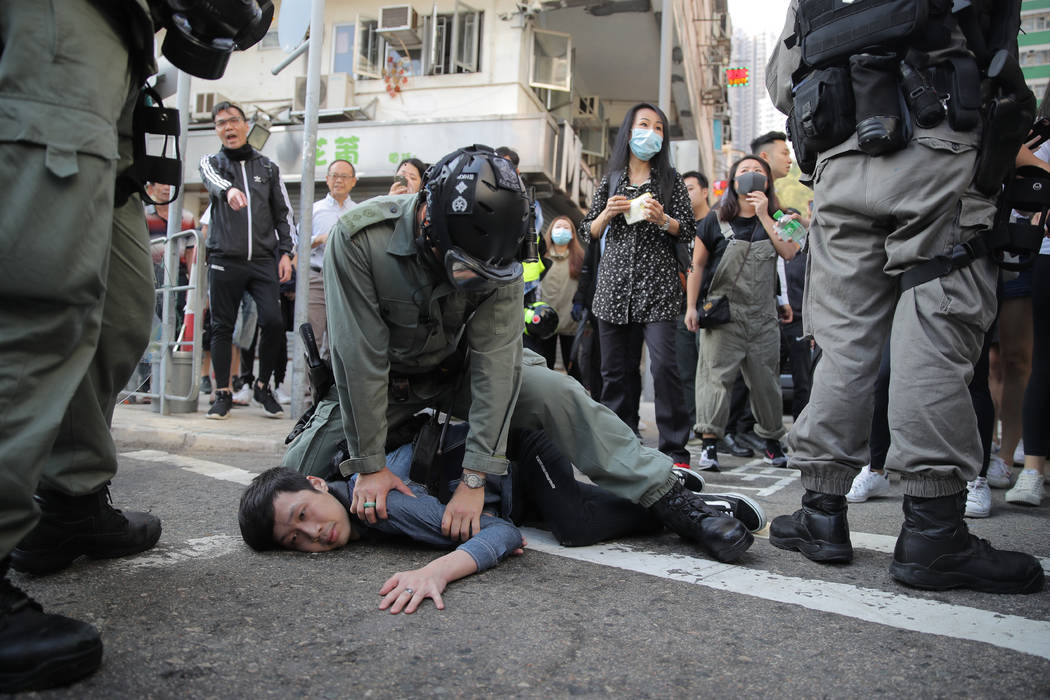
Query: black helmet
(477, 216)
(541, 320)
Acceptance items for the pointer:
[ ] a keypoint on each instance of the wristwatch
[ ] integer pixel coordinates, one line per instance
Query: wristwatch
(473, 481)
(666, 225)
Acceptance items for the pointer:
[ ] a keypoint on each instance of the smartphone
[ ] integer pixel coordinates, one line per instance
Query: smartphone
(401, 180)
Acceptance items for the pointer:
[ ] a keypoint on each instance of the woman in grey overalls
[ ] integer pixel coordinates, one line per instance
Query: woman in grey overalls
(735, 254)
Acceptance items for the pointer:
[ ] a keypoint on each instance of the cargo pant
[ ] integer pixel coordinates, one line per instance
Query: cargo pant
(597, 442)
(76, 276)
(875, 218)
(750, 342)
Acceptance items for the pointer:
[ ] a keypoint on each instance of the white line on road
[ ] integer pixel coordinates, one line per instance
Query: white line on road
(196, 549)
(215, 470)
(870, 605)
(881, 607)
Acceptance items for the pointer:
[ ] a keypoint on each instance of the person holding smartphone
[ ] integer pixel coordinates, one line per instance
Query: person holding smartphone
(409, 176)
(735, 257)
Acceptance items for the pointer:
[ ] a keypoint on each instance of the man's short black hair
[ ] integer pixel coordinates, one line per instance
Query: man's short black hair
(508, 153)
(699, 177)
(227, 105)
(757, 146)
(341, 160)
(255, 514)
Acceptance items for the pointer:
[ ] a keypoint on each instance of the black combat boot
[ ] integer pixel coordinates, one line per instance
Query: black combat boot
(74, 525)
(38, 650)
(683, 511)
(818, 530)
(936, 551)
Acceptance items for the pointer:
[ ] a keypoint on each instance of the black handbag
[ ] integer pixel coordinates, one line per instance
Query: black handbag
(713, 312)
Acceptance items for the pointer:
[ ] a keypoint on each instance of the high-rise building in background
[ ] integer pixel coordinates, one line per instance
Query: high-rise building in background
(752, 111)
(1034, 44)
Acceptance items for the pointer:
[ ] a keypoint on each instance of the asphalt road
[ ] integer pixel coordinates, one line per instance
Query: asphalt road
(202, 616)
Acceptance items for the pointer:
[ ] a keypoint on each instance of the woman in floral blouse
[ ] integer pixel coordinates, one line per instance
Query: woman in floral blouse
(638, 292)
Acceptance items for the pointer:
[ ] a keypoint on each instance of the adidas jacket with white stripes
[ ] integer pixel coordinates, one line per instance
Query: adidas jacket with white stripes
(259, 231)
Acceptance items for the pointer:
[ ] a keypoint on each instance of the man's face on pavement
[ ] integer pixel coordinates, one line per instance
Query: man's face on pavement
(310, 521)
(232, 128)
(340, 179)
(778, 155)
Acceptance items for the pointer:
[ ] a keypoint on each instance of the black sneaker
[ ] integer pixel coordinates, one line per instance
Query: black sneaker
(749, 439)
(708, 459)
(206, 384)
(71, 526)
(220, 408)
(819, 530)
(774, 454)
(264, 397)
(936, 551)
(38, 650)
(688, 478)
(687, 514)
(739, 506)
(729, 445)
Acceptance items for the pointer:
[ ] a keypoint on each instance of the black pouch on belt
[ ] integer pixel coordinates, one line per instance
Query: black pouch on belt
(876, 93)
(822, 114)
(960, 79)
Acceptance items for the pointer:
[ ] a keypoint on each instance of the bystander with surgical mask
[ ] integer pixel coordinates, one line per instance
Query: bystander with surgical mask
(642, 206)
(565, 254)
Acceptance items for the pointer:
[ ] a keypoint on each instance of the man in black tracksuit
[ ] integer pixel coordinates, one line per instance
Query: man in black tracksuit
(249, 249)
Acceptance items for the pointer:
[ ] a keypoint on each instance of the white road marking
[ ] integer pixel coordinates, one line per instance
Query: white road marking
(195, 549)
(871, 605)
(215, 470)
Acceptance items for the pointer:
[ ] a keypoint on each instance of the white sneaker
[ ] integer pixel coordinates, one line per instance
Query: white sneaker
(868, 484)
(1019, 453)
(998, 473)
(1028, 489)
(978, 498)
(282, 398)
(244, 396)
(709, 459)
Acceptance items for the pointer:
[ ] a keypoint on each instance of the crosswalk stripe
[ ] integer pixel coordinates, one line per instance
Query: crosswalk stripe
(215, 470)
(871, 605)
(194, 549)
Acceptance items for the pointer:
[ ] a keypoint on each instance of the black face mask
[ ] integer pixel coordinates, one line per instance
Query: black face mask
(746, 183)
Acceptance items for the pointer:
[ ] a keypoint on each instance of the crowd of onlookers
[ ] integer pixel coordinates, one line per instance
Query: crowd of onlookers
(650, 263)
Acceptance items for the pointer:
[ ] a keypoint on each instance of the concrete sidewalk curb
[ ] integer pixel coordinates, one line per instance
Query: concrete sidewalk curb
(180, 440)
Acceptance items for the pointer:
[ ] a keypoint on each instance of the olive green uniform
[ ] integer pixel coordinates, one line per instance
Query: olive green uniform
(76, 289)
(874, 218)
(394, 321)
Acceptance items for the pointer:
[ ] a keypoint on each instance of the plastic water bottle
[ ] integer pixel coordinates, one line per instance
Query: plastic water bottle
(790, 230)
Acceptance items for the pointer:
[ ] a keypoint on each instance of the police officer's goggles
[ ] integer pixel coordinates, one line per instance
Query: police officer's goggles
(472, 275)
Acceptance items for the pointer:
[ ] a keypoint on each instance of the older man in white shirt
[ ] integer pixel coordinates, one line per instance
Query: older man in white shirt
(341, 178)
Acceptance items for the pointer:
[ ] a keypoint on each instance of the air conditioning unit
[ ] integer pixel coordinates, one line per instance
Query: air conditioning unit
(337, 90)
(399, 24)
(720, 25)
(588, 109)
(204, 103)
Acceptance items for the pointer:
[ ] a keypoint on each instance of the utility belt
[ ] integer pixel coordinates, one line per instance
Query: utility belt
(866, 69)
(446, 372)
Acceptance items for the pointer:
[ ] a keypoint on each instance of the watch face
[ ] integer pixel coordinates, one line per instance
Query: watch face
(473, 481)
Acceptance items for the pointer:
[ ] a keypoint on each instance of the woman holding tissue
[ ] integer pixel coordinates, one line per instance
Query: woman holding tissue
(734, 262)
(640, 209)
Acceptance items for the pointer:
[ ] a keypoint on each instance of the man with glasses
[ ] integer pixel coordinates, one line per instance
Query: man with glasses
(341, 179)
(249, 249)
